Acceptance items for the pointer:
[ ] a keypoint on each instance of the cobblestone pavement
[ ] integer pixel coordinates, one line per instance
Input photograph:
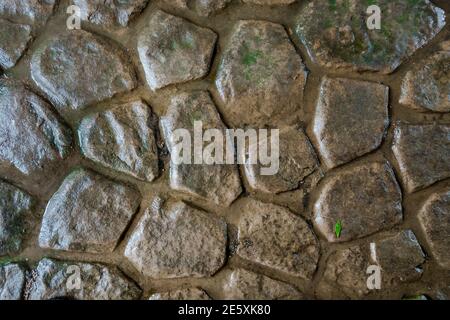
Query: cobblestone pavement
(92, 208)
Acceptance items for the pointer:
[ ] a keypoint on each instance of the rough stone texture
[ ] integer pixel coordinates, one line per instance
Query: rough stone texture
(183, 294)
(246, 285)
(336, 35)
(110, 13)
(217, 183)
(15, 210)
(276, 238)
(123, 139)
(270, 2)
(32, 138)
(173, 50)
(427, 86)
(365, 199)
(77, 69)
(435, 221)
(399, 256)
(351, 119)
(12, 282)
(88, 213)
(174, 240)
(53, 279)
(13, 42)
(201, 7)
(31, 11)
(261, 77)
(423, 154)
(297, 161)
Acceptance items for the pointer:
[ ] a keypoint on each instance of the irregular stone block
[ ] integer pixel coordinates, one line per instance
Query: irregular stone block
(12, 282)
(362, 200)
(423, 154)
(173, 50)
(261, 77)
(276, 238)
(13, 42)
(183, 294)
(122, 139)
(351, 119)
(174, 240)
(203, 8)
(53, 279)
(89, 213)
(30, 11)
(336, 34)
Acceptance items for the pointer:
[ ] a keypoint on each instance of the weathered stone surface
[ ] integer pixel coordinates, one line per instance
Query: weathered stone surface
(13, 42)
(174, 240)
(351, 119)
(53, 279)
(173, 50)
(276, 238)
(88, 213)
(399, 256)
(364, 199)
(297, 161)
(32, 138)
(427, 86)
(201, 7)
(435, 221)
(30, 11)
(423, 154)
(122, 139)
(77, 69)
(270, 2)
(110, 13)
(216, 183)
(245, 285)
(261, 77)
(336, 35)
(12, 281)
(183, 294)
(345, 274)
(15, 209)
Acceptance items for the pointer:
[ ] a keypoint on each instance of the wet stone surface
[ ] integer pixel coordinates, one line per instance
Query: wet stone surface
(12, 281)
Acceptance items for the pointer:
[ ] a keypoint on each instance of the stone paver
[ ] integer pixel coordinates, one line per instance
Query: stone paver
(32, 138)
(77, 69)
(276, 238)
(350, 120)
(30, 11)
(216, 183)
(203, 8)
(434, 218)
(88, 213)
(53, 279)
(336, 35)
(110, 13)
(13, 42)
(183, 294)
(363, 200)
(173, 50)
(261, 77)
(423, 153)
(241, 284)
(174, 240)
(123, 139)
(427, 86)
(297, 161)
(12, 281)
(15, 209)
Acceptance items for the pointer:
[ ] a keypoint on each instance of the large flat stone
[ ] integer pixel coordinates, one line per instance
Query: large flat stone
(33, 139)
(12, 281)
(423, 154)
(261, 77)
(174, 240)
(350, 120)
(13, 42)
(173, 50)
(89, 213)
(364, 199)
(77, 69)
(123, 139)
(336, 35)
(276, 238)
